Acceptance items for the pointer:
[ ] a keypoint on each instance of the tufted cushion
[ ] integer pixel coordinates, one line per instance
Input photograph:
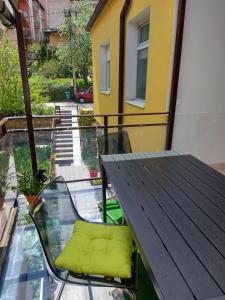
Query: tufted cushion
(98, 249)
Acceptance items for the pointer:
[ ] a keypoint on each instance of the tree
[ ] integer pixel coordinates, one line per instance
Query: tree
(11, 91)
(11, 95)
(78, 49)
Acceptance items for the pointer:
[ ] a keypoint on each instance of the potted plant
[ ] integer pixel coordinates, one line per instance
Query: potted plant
(29, 185)
(4, 163)
(92, 164)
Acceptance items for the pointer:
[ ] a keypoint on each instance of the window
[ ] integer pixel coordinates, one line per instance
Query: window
(137, 58)
(105, 68)
(142, 60)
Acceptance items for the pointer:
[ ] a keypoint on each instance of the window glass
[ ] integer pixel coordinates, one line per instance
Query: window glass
(144, 33)
(142, 60)
(108, 75)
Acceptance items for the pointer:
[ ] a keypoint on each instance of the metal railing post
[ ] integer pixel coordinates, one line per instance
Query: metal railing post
(106, 134)
(26, 89)
(104, 177)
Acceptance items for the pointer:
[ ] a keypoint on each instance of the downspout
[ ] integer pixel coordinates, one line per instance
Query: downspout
(176, 72)
(123, 15)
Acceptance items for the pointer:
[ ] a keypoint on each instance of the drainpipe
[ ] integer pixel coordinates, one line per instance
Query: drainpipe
(26, 89)
(123, 15)
(176, 71)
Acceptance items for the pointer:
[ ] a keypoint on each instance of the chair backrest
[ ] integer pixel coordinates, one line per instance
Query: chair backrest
(118, 142)
(54, 215)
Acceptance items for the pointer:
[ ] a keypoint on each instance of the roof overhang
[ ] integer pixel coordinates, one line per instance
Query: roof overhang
(7, 13)
(98, 9)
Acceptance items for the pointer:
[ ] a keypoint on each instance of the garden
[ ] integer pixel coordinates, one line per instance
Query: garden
(52, 72)
(88, 143)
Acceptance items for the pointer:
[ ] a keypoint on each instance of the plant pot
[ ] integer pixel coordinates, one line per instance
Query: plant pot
(93, 173)
(30, 199)
(2, 200)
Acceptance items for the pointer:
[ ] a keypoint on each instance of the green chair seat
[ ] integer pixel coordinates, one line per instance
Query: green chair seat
(98, 249)
(114, 213)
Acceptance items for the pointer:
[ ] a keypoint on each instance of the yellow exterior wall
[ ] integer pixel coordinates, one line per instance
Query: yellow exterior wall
(161, 39)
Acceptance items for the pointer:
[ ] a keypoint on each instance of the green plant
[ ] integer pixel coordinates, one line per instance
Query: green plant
(11, 94)
(92, 163)
(86, 121)
(96, 182)
(24, 219)
(57, 91)
(50, 68)
(23, 162)
(28, 184)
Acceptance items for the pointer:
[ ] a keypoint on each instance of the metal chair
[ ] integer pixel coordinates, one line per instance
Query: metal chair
(54, 214)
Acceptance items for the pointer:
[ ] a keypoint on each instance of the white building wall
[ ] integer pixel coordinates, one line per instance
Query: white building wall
(200, 115)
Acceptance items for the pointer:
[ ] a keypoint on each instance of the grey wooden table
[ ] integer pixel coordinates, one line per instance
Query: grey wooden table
(175, 207)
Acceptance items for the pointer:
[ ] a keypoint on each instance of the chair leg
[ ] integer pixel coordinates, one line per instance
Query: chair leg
(130, 293)
(60, 291)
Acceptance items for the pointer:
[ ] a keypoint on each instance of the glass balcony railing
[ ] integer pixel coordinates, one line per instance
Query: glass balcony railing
(69, 145)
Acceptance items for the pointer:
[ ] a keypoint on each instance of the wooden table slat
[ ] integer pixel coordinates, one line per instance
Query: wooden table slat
(197, 277)
(210, 171)
(175, 207)
(210, 257)
(209, 180)
(162, 265)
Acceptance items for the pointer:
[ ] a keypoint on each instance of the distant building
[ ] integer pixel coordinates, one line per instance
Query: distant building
(55, 15)
(34, 21)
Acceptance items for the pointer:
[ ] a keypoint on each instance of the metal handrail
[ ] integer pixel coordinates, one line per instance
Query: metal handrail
(89, 127)
(88, 115)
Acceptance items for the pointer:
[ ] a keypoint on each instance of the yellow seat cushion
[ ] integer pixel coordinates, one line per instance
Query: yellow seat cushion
(98, 249)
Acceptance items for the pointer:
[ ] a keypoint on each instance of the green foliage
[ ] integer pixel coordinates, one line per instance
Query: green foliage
(57, 91)
(43, 52)
(28, 184)
(39, 95)
(23, 162)
(11, 92)
(11, 95)
(24, 219)
(86, 121)
(63, 81)
(92, 163)
(4, 163)
(79, 47)
(50, 69)
(96, 182)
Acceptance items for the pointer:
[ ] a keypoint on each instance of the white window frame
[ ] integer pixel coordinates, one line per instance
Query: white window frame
(132, 48)
(141, 46)
(105, 71)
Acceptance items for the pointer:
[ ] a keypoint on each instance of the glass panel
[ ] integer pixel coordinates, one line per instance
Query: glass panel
(141, 73)
(144, 33)
(107, 75)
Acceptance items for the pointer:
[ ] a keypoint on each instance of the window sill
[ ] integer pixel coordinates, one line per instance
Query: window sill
(105, 92)
(136, 102)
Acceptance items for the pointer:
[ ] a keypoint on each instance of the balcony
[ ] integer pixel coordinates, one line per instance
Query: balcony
(67, 144)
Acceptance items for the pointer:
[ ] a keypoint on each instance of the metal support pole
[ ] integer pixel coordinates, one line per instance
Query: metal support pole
(106, 134)
(104, 177)
(26, 89)
(104, 186)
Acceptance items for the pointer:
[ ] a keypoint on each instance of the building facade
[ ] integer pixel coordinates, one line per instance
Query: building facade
(149, 42)
(151, 29)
